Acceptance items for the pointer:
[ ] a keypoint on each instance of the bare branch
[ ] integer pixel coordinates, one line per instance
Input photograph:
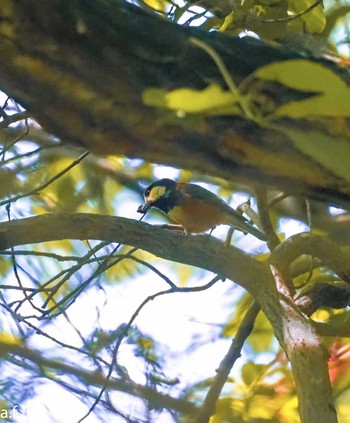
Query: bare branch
(9, 119)
(234, 352)
(98, 379)
(36, 190)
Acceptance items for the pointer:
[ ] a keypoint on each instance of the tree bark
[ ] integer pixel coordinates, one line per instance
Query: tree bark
(82, 69)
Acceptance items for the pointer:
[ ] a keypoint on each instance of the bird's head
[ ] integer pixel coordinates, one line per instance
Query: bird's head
(160, 194)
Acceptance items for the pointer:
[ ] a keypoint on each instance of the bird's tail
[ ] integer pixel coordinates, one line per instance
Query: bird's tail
(246, 227)
(254, 231)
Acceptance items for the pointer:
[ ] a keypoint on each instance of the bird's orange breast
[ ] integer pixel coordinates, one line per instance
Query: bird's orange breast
(196, 215)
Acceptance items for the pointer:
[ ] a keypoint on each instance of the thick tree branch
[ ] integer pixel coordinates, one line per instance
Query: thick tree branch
(95, 60)
(200, 251)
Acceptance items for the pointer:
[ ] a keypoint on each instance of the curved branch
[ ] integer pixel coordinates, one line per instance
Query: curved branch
(170, 245)
(317, 246)
(293, 329)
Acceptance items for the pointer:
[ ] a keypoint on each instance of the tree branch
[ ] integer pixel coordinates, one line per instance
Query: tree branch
(294, 330)
(214, 255)
(208, 408)
(98, 379)
(315, 245)
(323, 295)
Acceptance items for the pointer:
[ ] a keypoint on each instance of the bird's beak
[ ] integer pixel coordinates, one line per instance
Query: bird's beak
(143, 208)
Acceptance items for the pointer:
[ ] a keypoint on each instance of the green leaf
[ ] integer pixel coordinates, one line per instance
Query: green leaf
(228, 410)
(332, 94)
(330, 152)
(251, 371)
(314, 19)
(240, 309)
(262, 337)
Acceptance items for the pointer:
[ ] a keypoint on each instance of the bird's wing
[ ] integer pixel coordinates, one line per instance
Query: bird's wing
(233, 218)
(203, 194)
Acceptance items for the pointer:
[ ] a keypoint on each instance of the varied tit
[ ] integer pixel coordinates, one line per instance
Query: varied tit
(193, 207)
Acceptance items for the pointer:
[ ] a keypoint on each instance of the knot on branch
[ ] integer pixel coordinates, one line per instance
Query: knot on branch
(323, 295)
(324, 253)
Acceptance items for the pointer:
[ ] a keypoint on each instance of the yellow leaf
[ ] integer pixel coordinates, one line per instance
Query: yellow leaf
(213, 99)
(9, 183)
(125, 267)
(38, 209)
(5, 265)
(343, 406)
(289, 411)
(228, 409)
(160, 5)
(262, 337)
(145, 343)
(264, 408)
(332, 94)
(8, 338)
(184, 275)
(7, 342)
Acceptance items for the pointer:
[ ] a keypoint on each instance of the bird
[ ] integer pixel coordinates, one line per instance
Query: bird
(193, 207)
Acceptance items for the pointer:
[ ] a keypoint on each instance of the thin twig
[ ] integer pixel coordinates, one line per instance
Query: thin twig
(15, 269)
(74, 294)
(288, 18)
(128, 325)
(9, 119)
(23, 134)
(265, 221)
(284, 281)
(96, 378)
(39, 331)
(17, 288)
(237, 96)
(37, 190)
(55, 256)
(23, 155)
(65, 274)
